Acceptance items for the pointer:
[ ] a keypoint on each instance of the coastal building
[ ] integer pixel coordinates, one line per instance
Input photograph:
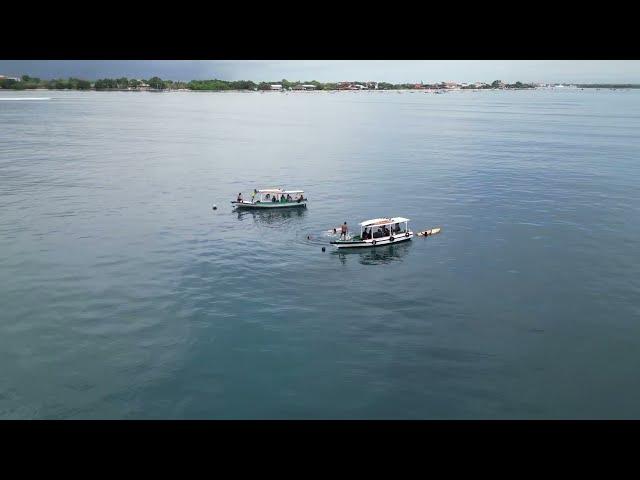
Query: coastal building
(3, 77)
(139, 86)
(306, 87)
(357, 86)
(350, 86)
(450, 85)
(276, 87)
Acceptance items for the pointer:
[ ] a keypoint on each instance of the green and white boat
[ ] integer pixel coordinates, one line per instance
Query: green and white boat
(273, 198)
(377, 232)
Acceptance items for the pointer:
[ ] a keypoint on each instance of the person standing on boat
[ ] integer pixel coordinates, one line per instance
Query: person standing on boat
(253, 195)
(344, 230)
(240, 197)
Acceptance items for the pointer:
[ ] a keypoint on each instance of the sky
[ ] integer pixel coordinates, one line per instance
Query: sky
(395, 71)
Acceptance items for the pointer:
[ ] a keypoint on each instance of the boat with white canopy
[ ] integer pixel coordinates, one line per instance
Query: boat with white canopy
(272, 198)
(377, 232)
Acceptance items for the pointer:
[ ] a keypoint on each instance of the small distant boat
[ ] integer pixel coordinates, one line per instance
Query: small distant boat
(23, 99)
(428, 233)
(377, 232)
(273, 198)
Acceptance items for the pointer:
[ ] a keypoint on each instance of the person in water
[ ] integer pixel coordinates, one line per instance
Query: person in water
(344, 230)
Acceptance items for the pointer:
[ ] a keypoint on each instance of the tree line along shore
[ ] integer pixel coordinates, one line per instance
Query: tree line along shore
(27, 82)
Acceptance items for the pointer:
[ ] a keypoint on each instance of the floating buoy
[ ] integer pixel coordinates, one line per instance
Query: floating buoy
(323, 249)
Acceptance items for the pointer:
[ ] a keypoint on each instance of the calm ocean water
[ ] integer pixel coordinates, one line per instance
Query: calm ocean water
(124, 295)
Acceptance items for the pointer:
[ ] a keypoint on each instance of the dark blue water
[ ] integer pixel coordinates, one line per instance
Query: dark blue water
(124, 295)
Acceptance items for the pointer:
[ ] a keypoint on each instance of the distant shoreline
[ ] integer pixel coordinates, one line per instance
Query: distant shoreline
(156, 84)
(404, 90)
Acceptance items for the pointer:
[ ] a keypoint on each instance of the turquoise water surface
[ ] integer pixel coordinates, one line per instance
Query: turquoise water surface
(125, 295)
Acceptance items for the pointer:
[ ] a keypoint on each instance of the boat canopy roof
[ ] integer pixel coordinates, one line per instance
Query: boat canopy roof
(383, 221)
(279, 191)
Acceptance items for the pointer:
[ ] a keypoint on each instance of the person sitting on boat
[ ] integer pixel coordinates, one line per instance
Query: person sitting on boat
(396, 229)
(289, 198)
(282, 199)
(344, 230)
(240, 197)
(273, 199)
(267, 197)
(385, 231)
(366, 234)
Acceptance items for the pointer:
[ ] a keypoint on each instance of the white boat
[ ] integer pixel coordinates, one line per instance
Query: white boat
(431, 231)
(377, 232)
(273, 198)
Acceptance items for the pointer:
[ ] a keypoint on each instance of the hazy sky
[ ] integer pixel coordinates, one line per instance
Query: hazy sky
(398, 71)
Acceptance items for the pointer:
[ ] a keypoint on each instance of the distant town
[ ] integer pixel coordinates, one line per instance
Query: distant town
(26, 82)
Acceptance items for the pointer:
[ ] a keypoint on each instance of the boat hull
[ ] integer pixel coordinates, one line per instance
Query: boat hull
(268, 205)
(428, 233)
(376, 242)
